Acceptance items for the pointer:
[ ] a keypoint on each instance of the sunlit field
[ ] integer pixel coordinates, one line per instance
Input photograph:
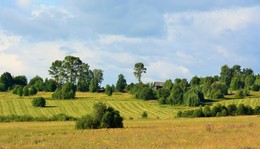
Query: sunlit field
(223, 132)
(128, 106)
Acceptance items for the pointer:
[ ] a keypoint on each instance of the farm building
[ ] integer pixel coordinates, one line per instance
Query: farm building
(158, 85)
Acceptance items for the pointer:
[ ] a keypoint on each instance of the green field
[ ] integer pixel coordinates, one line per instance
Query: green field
(128, 106)
(165, 132)
(222, 132)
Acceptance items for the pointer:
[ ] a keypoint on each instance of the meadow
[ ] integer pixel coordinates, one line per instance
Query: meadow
(222, 132)
(128, 106)
(160, 130)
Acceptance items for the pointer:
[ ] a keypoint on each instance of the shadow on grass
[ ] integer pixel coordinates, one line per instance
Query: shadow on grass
(50, 106)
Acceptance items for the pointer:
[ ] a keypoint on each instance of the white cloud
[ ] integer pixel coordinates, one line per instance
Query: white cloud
(24, 3)
(161, 70)
(11, 63)
(212, 23)
(7, 41)
(51, 12)
(109, 39)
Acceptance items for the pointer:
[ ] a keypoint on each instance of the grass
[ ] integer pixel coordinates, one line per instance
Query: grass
(128, 106)
(223, 132)
(253, 100)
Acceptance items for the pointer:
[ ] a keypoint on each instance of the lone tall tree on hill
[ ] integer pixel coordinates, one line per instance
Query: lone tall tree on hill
(138, 70)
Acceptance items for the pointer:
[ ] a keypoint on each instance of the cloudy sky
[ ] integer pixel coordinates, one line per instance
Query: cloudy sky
(173, 38)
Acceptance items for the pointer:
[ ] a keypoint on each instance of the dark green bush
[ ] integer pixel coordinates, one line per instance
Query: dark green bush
(241, 109)
(102, 117)
(39, 102)
(257, 110)
(207, 111)
(144, 115)
(25, 91)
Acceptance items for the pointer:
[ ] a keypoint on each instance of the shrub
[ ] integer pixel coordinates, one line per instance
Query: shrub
(144, 115)
(257, 110)
(232, 109)
(239, 94)
(39, 102)
(62, 117)
(2, 87)
(109, 90)
(217, 95)
(20, 91)
(162, 101)
(193, 97)
(255, 87)
(146, 93)
(197, 113)
(241, 109)
(32, 90)
(25, 91)
(103, 117)
(207, 111)
(15, 90)
(86, 122)
(249, 110)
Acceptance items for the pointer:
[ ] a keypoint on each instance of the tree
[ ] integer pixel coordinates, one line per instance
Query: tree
(226, 74)
(57, 72)
(193, 97)
(93, 86)
(176, 96)
(68, 91)
(109, 90)
(71, 66)
(25, 91)
(50, 85)
(37, 81)
(195, 81)
(98, 75)
(121, 83)
(138, 70)
(7, 79)
(168, 84)
(20, 80)
(85, 76)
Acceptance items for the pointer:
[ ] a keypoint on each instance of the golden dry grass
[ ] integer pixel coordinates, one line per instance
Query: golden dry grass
(223, 132)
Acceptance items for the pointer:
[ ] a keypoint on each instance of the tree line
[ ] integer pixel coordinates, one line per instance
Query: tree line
(71, 74)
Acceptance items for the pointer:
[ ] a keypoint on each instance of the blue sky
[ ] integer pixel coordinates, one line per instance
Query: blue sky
(173, 38)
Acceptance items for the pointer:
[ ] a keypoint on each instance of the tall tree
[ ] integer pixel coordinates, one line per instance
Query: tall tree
(71, 68)
(57, 72)
(138, 70)
(20, 80)
(121, 83)
(98, 75)
(226, 74)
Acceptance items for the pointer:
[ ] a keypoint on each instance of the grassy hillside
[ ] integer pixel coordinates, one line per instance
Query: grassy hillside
(222, 132)
(253, 100)
(128, 106)
(125, 103)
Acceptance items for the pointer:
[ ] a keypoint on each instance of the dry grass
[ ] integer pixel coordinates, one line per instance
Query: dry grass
(224, 132)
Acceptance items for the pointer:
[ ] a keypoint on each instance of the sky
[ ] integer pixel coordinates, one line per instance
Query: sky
(173, 38)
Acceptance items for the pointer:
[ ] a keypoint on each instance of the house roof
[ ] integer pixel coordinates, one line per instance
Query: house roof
(158, 84)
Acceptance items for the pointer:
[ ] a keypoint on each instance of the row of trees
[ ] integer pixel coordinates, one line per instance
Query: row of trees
(220, 110)
(193, 93)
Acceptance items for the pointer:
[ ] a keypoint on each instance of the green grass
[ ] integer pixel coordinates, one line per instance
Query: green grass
(128, 106)
(253, 100)
(125, 103)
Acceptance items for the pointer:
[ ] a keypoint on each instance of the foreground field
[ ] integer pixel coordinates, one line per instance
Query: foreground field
(224, 132)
